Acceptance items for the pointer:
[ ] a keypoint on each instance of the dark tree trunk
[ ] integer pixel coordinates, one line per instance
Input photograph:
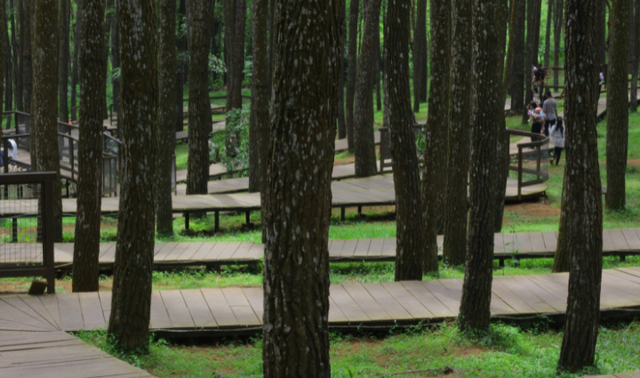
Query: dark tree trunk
(342, 126)
(16, 41)
(63, 60)
(166, 115)
(272, 39)
(352, 51)
(75, 67)
(517, 81)
(601, 32)
(633, 56)
(547, 36)
(364, 142)
(583, 191)
(419, 43)
(8, 66)
(4, 57)
(238, 55)
(376, 75)
(617, 105)
(181, 71)
(229, 47)
(115, 61)
(45, 91)
(106, 26)
(489, 30)
(199, 105)
(132, 279)
(27, 62)
(455, 232)
(533, 34)
(410, 245)
(298, 194)
(557, 37)
(425, 72)
(90, 147)
(436, 140)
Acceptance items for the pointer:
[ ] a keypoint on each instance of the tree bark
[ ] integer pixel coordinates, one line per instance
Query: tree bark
(532, 51)
(455, 232)
(17, 56)
(238, 55)
(352, 51)
(617, 105)
(166, 115)
(199, 105)
(633, 56)
(583, 191)
(4, 56)
(75, 67)
(132, 279)
(45, 91)
(86, 249)
(547, 36)
(63, 60)
(364, 142)
(181, 71)
(115, 61)
(229, 49)
(27, 62)
(419, 43)
(342, 123)
(601, 22)
(557, 37)
(410, 242)
(517, 83)
(298, 194)
(7, 66)
(490, 16)
(436, 139)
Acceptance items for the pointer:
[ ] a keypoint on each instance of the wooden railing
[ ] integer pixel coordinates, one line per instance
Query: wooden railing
(535, 152)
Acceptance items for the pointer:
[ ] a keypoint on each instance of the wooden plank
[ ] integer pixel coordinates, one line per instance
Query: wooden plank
(219, 307)
(336, 248)
(70, 312)
(498, 243)
(632, 237)
(526, 291)
(188, 253)
(523, 242)
(105, 302)
(389, 248)
(387, 301)
(255, 297)
(443, 295)
(362, 248)
(607, 243)
(165, 251)
(177, 309)
(349, 248)
(176, 252)
(36, 305)
(198, 308)
(537, 242)
(50, 302)
(206, 248)
(240, 306)
(365, 301)
(555, 303)
(346, 304)
(335, 315)
(375, 248)
(408, 302)
(618, 239)
(428, 300)
(243, 250)
(550, 241)
(159, 315)
(92, 311)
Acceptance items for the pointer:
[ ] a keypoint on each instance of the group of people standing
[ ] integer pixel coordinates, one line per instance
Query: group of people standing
(544, 120)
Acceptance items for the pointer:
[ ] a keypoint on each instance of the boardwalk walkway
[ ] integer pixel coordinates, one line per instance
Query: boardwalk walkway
(520, 245)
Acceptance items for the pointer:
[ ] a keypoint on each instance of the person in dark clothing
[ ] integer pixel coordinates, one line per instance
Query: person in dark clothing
(550, 109)
(535, 119)
(557, 140)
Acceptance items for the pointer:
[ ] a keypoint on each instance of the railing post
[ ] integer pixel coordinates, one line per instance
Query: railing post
(47, 233)
(519, 172)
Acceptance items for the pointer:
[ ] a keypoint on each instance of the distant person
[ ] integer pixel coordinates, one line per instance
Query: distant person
(557, 140)
(550, 109)
(600, 81)
(536, 117)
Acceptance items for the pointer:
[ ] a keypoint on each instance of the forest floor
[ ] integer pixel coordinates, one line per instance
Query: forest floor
(509, 350)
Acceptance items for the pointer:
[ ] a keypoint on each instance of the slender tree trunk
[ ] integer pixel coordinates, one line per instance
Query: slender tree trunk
(489, 31)
(436, 139)
(229, 47)
(376, 75)
(601, 31)
(45, 91)
(633, 56)
(296, 337)
(583, 191)
(455, 231)
(132, 279)
(115, 61)
(199, 105)
(27, 62)
(166, 115)
(364, 142)
(547, 36)
(4, 57)
(532, 53)
(557, 37)
(517, 85)
(75, 67)
(419, 43)
(106, 26)
(238, 55)
(617, 105)
(272, 39)
(16, 41)
(410, 244)
(86, 249)
(342, 125)
(63, 60)
(352, 51)
(181, 71)
(9, 58)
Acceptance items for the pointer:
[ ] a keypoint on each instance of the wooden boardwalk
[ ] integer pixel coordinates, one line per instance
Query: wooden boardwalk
(520, 245)
(234, 310)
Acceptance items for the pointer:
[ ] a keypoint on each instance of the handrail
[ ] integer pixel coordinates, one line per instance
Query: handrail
(541, 176)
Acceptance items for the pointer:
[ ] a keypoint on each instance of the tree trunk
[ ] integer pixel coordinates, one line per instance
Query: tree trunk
(547, 36)
(532, 52)
(298, 194)
(455, 232)
(115, 61)
(63, 60)
(633, 56)
(132, 278)
(410, 244)
(376, 75)
(75, 67)
(352, 51)
(557, 37)
(181, 71)
(583, 191)
(436, 139)
(45, 91)
(4, 57)
(229, 49)
(601, 32)
(342, 125)
(8, 66)
(166, 115)
(199, 105)
(238, 55)
(86, 249)
(364, 142)
(490, 20)
(272, 39)
(419, 43)
(27, 62)
(617, 105)
(517, 85)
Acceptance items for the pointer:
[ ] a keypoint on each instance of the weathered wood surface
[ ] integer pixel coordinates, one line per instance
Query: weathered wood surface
(631, 374)
(519, 245)
(234, 309)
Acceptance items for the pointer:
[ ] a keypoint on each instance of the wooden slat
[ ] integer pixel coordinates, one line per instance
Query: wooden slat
(240, 306)
(177, 309)
(70, 312)
(219, 307)
(632, 237)
(198, 308)
(159, 315)
(365, 301)
(346, 304)
(92, 311)
(550, 241)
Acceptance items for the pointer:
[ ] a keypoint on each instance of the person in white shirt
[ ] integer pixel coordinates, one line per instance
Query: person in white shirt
(557, 139)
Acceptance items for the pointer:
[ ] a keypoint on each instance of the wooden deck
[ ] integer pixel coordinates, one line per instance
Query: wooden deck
(234, 310)
(631, 374)
(520, 245)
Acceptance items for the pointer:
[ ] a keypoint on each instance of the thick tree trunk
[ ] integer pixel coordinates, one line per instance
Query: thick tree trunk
(455, 232)
(633, 56)
(557, 37)
(342, 123)
(90, 146)
(489, 31)
(45, 98)
(617, 105)
(63, 60)
(272, 39)
(364, 142)
(436, 139)
(352, 51)
(199, 105)
(132, 279)
(517, 81)
(410, 244)
(583, 191)
(298, 194)
(419, 43)
(166, 115)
